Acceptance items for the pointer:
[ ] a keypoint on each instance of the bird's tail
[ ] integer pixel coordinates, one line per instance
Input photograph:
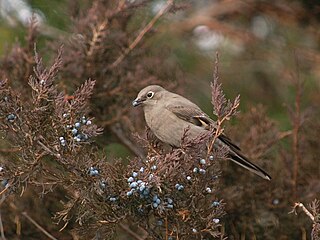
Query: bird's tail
(241, 160)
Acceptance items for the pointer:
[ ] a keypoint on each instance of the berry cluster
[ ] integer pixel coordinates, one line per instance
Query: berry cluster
(155, 201)
(143, 189)
(179, 187)
(215, 204)
(137, 185)
(11, 117)
(78, 136)
(93, 172)
(63, 142)
(75, 129)
(201, 169)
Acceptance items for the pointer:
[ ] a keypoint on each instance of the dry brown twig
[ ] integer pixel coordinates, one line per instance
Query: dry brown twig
(304, 209)
(130, 232)
(313, 215)
(298, 117)
(97, 36)
(1, 229)
(38, 226)
(118, 131)
(4, 190)
(145, 30)
(222, 107)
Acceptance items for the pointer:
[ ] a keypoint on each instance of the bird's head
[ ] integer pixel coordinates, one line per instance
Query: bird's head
(148, 96)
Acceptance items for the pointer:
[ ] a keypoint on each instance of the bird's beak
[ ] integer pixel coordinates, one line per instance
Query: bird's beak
(137, 102)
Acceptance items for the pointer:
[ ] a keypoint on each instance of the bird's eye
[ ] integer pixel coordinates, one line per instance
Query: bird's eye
(150, 94)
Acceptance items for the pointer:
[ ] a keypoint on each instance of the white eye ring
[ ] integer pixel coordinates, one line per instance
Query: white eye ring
(150, 94)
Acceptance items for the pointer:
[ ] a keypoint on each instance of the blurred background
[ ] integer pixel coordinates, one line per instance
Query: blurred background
(268, 53)
(263, 45)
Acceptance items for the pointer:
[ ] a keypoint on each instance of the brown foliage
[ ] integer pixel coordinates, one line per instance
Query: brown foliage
(48, 143)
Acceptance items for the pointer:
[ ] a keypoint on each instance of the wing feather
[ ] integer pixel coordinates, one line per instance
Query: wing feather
(229, 142)
(190, 112)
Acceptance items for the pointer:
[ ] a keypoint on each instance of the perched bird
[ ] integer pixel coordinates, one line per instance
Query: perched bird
(168, 115)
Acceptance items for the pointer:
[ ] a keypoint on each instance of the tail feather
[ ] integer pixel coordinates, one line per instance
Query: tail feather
(245, 163)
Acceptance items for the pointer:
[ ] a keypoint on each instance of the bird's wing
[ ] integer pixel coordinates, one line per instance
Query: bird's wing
(190, 112)
(229, 142)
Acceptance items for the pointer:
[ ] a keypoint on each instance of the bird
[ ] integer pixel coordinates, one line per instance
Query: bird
(168, 115)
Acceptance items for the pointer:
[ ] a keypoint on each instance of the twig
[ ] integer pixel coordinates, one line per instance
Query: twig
(57, 155)
(1, 229)
(3, 197)
(8, 150)
(284, 134)
(64, 226)
(296, 128)
(269, 144)
(306, 211)
(209, 16)
(167, 233)
(38, 226)
(146, 29)
(217, 132)
(222, 108)
(97, 35)
(218, 127)
(129, 231)
(4, 190)
(116, 129)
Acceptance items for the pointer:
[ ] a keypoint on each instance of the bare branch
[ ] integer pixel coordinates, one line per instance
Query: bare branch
(145, 30)
(304, 209)
(39, 227)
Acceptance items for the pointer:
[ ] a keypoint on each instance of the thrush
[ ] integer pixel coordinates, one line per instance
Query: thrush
(169, 115)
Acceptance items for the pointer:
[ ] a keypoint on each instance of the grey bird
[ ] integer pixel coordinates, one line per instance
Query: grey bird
(168, 115)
